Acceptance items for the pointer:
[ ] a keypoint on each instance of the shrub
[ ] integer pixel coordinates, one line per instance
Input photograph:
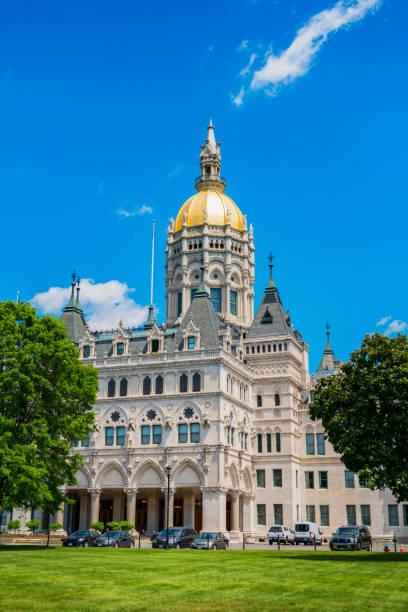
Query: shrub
(13, 525)
(33, 525)
(97, 525)
(55, 526)
(126, 526)
(112, 526)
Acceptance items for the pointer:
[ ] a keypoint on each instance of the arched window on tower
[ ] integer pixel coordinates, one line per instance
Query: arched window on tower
(159, 385)
(111, 388)
(197, 382)
(183, 383)
(147, 385)
(123, 388)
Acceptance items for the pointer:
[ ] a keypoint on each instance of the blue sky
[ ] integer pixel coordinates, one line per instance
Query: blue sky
(104, 107)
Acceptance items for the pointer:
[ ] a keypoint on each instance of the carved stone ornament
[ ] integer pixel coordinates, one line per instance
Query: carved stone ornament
(206, 420)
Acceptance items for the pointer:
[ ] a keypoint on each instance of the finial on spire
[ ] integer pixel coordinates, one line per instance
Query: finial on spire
(271, 258)
(77, 289)
(73, 276)
(327, 326)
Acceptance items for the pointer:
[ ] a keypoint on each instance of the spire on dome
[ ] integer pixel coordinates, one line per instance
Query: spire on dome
(210, 163)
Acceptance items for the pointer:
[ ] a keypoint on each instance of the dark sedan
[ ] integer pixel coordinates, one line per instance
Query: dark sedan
(211, 540)
(351, 538)
(80, 538)
(116, 539)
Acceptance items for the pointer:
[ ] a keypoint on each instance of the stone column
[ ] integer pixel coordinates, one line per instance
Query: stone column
(152, 512)
(117, 507)
(248, 513)
(59, 515)
(83, 511)
(214, 509)
(171, 507)
(131, 506)
(189, 510)
(95, 498)
(234, 511)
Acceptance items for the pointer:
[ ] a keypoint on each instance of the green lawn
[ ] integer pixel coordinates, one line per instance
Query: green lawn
(92, 579)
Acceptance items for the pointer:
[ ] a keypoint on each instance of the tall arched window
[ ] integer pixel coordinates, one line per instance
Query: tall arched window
(183, 383)
(111, 388)
(197, 382)
(147, 385)
(158, 388)
(123, 387)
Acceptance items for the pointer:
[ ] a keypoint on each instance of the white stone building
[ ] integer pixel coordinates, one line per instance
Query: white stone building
(219, 393)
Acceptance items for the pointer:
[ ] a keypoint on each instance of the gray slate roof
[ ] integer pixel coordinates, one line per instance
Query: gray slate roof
(74, 321)
(271, 319)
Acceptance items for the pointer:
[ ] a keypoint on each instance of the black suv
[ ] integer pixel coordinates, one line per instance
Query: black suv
(353, 537)
(179, 537)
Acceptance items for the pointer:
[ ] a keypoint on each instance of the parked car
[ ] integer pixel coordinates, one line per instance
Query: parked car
(353, 537)
(211, 540)
(282, 533)
(179, 537)
(307, 533)
(116, 539)
(80, 538)
(150, 533)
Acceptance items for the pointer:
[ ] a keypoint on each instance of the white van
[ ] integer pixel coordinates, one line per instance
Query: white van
(307, 532)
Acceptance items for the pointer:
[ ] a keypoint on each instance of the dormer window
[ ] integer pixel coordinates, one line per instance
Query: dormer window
(191, 342)
(155, 345)
(86, 351)
(120, 348)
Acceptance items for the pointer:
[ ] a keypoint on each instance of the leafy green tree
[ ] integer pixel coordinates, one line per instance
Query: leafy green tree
(112, 526)
(13, 525)
(46, 400)
(97, 525)
(126, 526)
(33, 525)
(55, 526)
(364, 410)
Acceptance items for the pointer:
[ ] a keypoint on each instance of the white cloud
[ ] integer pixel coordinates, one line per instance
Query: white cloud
(104, 303)
(383, 321)
(396, 327)
(142, 210)
(238, 100)
(297, 59)
(177, 170)
(243, 45)
(247, 68)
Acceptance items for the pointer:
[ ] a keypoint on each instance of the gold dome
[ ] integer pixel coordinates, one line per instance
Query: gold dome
(217, 205)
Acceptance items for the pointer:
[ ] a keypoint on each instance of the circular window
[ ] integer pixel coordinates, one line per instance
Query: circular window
(115, 416)
(188, 413)
(151, 414)
(215, 276)
(196, 277)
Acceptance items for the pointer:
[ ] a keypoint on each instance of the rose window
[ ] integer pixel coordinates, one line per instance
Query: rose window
(151, 414)
(188, 413)
(115, 416)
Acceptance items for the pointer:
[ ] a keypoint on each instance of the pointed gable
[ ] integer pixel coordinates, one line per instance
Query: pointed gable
(328, 363)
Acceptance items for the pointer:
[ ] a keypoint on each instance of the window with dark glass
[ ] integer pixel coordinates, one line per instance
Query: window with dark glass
(155, 345)
(145, 434)
(195, 433)
(277, 399)
(196, 382)
(309, 480)
(261, 514)
(246, 441)
(278, 514)
(259, 401)
(85, 443)
(365, 515)
(393, 520)
(278, 442)
(191, 342)
(158, 385)
(351, 515)
(183, 433)
(183, 383)
(157, 434)
(147, 385)
(277, 478)
(111, 388)
(259, 440)
(179, 303)
(310, 444)
(405, 514)
(234, 302)
(120, 348)
(123, 387)
(215, 295)
(260, 478)
(323, 480)
(75, 444)
(311, 514)
(320, 444)
(193, 292)
(232, 435)
(86, 351)
(349, 479)
(109, 436)
(324, 516)
(120, 436)
(268, 443)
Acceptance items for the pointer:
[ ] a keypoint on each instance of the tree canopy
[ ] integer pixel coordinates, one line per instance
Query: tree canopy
(46, 401)
(364, 410)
